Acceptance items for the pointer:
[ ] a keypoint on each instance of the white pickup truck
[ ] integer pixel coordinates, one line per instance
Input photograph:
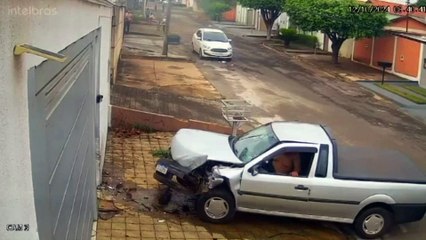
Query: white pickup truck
(367, 188)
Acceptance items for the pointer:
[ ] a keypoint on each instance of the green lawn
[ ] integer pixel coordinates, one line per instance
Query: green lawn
(418, 90)
(403, 93)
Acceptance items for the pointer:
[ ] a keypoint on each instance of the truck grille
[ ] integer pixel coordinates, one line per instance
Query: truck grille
(219, 50)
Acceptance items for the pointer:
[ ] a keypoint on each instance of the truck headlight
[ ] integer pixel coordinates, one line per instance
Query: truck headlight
(215, 179)
(215, 172)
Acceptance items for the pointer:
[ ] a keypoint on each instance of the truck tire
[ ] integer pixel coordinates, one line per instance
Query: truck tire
(216, 206)
(373, 223)
(165, 197)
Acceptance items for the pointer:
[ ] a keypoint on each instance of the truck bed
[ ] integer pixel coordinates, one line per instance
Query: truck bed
(367, 164)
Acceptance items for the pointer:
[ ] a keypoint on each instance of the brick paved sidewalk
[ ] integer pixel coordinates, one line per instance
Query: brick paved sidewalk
(129, 158)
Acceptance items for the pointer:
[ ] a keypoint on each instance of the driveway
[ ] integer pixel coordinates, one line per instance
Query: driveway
(281, 88)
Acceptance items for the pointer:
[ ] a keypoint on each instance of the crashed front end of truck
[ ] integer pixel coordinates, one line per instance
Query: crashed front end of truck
(197, 161)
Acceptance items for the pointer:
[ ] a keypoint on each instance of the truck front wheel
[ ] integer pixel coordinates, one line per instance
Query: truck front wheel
(216, 206)
(373, 222)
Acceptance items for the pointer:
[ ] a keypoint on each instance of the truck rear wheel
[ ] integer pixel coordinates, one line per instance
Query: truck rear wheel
(216, 206)
(373, 223)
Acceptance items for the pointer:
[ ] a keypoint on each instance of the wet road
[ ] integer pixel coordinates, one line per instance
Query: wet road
(281, 88)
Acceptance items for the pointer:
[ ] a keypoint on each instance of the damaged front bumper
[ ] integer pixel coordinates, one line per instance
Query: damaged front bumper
(166, 170)
(178, 177)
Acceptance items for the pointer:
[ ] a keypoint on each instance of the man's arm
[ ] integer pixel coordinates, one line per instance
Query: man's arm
(297, 166)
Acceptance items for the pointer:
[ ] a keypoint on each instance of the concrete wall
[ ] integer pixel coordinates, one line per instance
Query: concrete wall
(283, 21)
(117, 38)
(129, 118)
(422, 81)
(189, 3)
(105, 22)
(48, 24)
(241, 14)
(346, 48)
(245, 15)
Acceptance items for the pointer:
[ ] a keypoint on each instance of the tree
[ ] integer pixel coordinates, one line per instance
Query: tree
(420, 3)
(334, 18)
(216, 8)
(270, 10)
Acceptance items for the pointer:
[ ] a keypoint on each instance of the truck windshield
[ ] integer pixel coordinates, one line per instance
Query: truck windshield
(255, 142)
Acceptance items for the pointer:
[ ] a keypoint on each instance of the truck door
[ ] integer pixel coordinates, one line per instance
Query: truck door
(329, 197)
(267, 191)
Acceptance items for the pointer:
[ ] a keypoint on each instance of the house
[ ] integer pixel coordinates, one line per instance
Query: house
(54, 114)
(402, 45)
(252, 17)
(230, 15)
(192, 4)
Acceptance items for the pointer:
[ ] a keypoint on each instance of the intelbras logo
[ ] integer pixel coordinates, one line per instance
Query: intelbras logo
(30, 11)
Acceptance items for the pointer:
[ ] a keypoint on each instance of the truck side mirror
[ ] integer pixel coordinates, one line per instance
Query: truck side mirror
(254, 170)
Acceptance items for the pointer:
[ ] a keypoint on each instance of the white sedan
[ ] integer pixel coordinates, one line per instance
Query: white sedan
(212, 43)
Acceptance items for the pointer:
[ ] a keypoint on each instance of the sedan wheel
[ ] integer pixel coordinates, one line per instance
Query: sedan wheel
(216, 206)
(373, 223)
(200, 53)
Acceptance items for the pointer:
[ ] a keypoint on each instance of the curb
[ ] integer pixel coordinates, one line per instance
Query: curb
(275, 50)
(156, 57)
(257, 36)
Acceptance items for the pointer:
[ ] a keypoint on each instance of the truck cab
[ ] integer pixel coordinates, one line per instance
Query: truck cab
(370, 189)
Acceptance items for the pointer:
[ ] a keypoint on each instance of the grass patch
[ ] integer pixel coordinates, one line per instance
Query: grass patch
(144, 128)
(161, 153)
(418, 90)
(402, 93)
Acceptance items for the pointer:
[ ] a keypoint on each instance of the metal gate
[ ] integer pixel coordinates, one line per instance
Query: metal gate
(250, 17)
(62, 103)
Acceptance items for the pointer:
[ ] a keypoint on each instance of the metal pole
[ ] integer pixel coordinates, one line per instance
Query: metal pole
(383, 75)
(234, 129)
(166, 32)
(406, 23)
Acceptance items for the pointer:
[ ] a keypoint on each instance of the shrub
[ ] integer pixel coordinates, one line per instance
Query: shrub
(161, 153)
(215, 9)
(307, 40)
(288, 35)
(144, 128)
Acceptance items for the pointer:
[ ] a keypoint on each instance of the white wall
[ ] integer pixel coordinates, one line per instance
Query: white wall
(283, 21)
(53, 25)
(241, 15)
(105, 23)
(189, 3)
(345, 49)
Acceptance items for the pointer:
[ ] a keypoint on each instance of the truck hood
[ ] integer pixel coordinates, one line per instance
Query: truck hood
(191, 148)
